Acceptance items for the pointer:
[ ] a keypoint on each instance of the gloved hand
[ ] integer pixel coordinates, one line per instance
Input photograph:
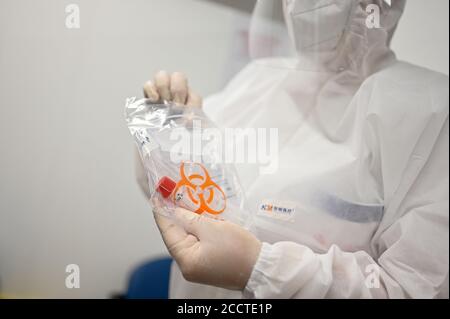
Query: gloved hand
(208, 251)
(171, 87)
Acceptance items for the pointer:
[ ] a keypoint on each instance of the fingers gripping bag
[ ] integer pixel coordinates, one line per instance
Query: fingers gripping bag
(181, 153)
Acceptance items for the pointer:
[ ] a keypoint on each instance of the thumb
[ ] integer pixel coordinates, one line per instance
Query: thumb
(192, 223)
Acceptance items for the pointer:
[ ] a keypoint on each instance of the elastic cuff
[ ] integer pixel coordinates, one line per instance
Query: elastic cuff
(257, 278)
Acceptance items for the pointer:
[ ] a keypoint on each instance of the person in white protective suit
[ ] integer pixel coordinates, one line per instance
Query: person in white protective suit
(363, 160)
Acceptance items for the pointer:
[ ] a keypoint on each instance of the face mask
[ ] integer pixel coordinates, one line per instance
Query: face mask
(316, 25)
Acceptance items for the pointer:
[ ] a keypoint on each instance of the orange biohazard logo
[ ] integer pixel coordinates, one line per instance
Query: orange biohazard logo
(205, 195)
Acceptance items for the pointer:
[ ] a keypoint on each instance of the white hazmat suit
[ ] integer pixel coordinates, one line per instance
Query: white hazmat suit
(363, 163)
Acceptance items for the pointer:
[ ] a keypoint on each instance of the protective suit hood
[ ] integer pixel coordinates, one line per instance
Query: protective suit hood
(336, 35)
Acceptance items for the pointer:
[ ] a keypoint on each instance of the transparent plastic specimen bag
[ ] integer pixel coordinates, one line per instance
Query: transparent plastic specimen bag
(182, 170)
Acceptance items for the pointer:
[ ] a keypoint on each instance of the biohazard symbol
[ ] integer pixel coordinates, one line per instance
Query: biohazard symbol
(202, 191)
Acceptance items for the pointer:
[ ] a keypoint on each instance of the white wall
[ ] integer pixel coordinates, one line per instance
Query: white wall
(67, 190)
(422, 36)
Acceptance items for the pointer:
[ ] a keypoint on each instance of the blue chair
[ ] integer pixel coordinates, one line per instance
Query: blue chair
(150, 280)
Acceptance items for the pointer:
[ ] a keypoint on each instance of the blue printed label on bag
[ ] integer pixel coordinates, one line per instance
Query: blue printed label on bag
(282, 210)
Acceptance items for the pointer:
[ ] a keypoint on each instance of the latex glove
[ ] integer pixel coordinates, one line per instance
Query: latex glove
(171, 87)
(208, 251)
